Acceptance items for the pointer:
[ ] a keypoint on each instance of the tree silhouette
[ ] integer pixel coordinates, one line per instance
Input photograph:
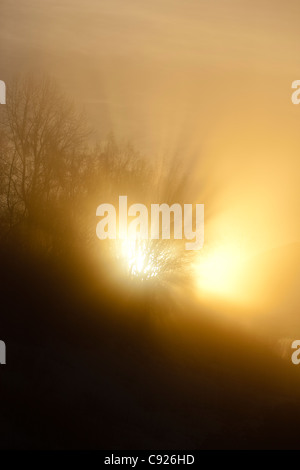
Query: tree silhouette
(42, 138)
(52, 180)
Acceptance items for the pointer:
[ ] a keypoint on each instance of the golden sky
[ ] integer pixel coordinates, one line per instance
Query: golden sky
(208, 79)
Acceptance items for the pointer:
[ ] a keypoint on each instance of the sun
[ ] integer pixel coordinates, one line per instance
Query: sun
(218, 270)
(138, 258)
(147, 260)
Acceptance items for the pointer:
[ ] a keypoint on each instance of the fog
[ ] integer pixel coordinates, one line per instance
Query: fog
(205, 84)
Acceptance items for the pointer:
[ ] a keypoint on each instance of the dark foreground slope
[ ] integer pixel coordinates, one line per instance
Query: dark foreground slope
(89, 367)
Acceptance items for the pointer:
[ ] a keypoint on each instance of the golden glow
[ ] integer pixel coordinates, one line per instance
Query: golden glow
(217, 270)
(207, 87)
(138, 257)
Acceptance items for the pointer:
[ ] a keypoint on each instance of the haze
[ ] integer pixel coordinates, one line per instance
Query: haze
(204, 80)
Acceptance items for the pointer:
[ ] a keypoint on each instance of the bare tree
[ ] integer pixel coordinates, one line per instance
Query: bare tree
(41, 144)
(52, 181)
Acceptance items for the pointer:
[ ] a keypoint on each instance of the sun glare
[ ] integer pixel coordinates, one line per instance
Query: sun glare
(218, 269)
(139, 258)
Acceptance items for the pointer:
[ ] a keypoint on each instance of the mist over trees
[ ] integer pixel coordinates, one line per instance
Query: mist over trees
(42, 141)
(52, 178)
